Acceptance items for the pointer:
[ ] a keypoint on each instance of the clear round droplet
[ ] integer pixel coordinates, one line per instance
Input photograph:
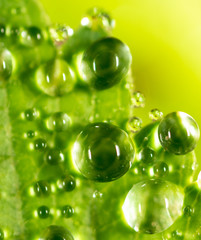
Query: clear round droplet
(147, 156)
(40, 144)
(54, 232)
(31, 114)
(42, 188)
(31, 36)
(134, 124)
(155, 114)
(152, 206)
(67, 211)
(67, 183)
(43, 212)
(6, 64)
(97, 194)
(58, 122)
(103, 152)
(178, 133)
(55, 78)
(54, 157)
(161, 169)
(176, 235)
(188, 211)
(97, 18)
(60, 33)
(138, 99)
(30, 134)
(2, 30)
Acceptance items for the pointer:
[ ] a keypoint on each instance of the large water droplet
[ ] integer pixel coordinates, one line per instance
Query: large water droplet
(67, 211)
(43, 212)
(55, 78)
(54, 232)
(105, 63)
(103, 152)
(153, 206)
(6, 64)
(58, 122)
(178, 133)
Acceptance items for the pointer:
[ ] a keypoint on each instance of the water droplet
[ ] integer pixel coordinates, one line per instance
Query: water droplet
(138, 99)
(1, 234)
(155, 114)
(177, 235)
(103, 152)
(6, 64)
(31, 36)
(15, 33)
(54, 156)
(161, 169)
(165, 199)
(105, 63)
(60, 33)
(54, 232)
(30, 134)
(178, 133)
(97, 194)
(97, 18)
(43, 212)
(42, 188)
(2, 30)
(188, 211)
(58, 122)
(134, 124)
(31, 114)
(17, 10)
(147, 156)
(40, 144)
(67, 183)
(55, 78)
(67, 211)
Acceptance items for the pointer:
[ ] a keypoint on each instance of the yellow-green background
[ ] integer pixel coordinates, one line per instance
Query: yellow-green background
(165, 40)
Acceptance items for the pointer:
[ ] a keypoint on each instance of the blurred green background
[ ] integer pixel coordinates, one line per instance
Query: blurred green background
(165, 41)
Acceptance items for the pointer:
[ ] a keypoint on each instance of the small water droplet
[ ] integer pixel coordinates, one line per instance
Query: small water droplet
(6, 64)
(155, 114)
(54, 232)
(103, 152)
(15, 33)
(138, 99)
(58, 122)
(30, 134)
(31, 114)
(42, 188)
(97, 18)
(54, 156)
(67, 183)
(55, 78)
(43, 212)
(1, 234)
(165, 199)
(60, 33)
(161, 169)
(67, 211)
(97, 194)
(178, 133)
(147, 156)
(2, 30)
(176, 235)
(40, 144)
(31, 36)
(188, 211)
(134, 124)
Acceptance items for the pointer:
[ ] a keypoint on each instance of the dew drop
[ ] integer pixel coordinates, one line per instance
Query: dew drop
(165, 199)
(60, 33)
(55, 78)
(138, 99)
(58, 122)
(6, 64)
(147, 156)
(188, 211)
(54, 156)
(103, 152)
(15, 33)
(30, 134)
(105, 63)
(97, 194)
(31, 114)
(31, 37)
(97, 18)
(40, 144)
(134, 124)
(54, 232)
(67, 183)
(2, 30)
(42, 188)
(177, 235)
(43, 212)
(178, 133)
(161, 169)
(155, 114)
(67, 211)
(1, 234)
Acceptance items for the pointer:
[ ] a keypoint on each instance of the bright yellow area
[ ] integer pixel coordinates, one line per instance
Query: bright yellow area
(165, 40)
